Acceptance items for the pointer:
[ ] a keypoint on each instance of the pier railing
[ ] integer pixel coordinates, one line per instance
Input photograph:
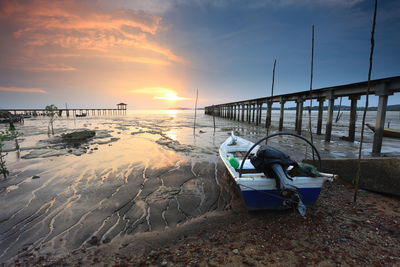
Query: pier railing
(250, 110)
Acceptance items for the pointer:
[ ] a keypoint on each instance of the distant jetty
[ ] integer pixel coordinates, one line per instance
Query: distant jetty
(76, 112)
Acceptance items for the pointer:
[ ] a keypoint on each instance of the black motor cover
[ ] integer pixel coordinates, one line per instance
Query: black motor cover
(267, 155)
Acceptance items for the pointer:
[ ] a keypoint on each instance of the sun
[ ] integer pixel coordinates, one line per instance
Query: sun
(167, 94)
(161, 93)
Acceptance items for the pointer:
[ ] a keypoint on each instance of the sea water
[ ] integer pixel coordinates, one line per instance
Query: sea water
(143, 171)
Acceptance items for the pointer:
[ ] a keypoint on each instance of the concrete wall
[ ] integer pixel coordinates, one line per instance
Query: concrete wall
(377, 174)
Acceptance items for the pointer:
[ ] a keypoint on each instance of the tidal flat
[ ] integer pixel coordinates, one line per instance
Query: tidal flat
(145, 172)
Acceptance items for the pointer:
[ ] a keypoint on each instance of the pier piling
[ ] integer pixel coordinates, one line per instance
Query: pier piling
(320, 115)
(383, 94)
(281, 113)
(299, 114)
(353, 117)
(328, 130)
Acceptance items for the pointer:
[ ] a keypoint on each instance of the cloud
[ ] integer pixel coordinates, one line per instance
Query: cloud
(117, 58)
(22, 90)
(50, 68)
(275, 3)
(78, 27)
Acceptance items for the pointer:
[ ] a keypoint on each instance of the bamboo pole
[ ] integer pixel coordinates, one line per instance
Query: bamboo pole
(311, 86)
(213, 117)
(269, 107)
(338, 113)
(371, 55)
(195, 111)
(273, 79)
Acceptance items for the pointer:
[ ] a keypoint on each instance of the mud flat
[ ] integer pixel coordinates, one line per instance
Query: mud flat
(335, 232)
(61, 196)
(148, 190)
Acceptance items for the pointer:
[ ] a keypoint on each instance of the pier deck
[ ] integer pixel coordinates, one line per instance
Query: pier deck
(250, 110)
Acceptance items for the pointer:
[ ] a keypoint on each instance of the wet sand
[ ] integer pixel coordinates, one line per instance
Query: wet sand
(333, 233)
(146, 178)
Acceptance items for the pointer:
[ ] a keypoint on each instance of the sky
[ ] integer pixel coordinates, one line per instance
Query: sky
(156, 54)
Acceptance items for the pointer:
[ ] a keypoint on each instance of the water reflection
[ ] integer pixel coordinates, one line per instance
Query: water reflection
(173, 134)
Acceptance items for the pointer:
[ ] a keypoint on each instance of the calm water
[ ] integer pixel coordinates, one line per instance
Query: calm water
(144, 171)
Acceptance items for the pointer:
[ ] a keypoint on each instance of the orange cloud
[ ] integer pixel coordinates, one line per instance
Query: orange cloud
(22, 90)
(75, 27)
(50, 68)
(144, 60)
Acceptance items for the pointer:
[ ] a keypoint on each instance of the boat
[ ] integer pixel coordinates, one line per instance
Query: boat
(268, 179)
(81, 115)
(387, 132)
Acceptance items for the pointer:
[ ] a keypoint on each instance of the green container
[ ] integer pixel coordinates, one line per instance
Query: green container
(233, 161)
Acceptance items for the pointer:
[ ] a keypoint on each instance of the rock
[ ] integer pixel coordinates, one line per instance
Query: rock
(35, 177)
(78, 136)
(164, 263)
(236, 251)
(94, 240)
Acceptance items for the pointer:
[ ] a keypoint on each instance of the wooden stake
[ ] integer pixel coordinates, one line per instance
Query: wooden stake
(272, 94)
(371, 55)
(311, 86)
(338, 113)
(195, 111)
(273, 79)
(213, 117)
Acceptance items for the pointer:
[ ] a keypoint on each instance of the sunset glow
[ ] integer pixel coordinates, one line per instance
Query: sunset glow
(161, 94)
(23, 90)
(153, 54)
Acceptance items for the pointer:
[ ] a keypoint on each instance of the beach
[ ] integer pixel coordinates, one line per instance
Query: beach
(149, 188)
(334, 233)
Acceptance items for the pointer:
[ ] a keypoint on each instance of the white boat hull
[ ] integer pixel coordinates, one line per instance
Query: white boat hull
(257, 190)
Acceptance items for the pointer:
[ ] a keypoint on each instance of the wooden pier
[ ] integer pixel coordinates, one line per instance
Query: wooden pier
(76, 112)
(250, 110)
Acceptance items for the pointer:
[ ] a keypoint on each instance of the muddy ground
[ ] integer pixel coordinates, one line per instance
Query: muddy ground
(334, 232)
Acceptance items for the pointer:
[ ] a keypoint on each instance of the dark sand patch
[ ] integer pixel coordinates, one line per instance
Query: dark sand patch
(95, 208)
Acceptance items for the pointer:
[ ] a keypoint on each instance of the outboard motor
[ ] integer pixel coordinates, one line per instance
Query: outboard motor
(274, 163)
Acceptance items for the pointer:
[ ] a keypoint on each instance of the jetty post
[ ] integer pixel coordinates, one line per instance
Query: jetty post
(281, 113)
(299, 114)
(320, 114)
(331, 103)
(269, 114)
(353, 117)
(253, 112)
(383, 93)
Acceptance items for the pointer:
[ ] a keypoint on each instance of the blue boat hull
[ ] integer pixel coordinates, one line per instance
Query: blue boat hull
(270, 199)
